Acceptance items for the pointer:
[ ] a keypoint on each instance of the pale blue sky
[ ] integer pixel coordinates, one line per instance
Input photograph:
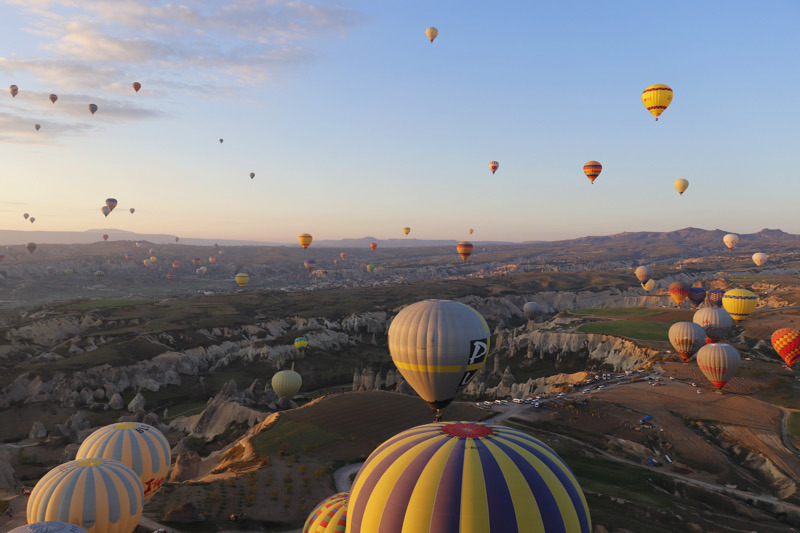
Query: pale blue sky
(356, 125)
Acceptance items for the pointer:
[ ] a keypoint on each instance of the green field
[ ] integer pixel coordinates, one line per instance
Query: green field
(619, 311)
(794, 424)
(646, 331)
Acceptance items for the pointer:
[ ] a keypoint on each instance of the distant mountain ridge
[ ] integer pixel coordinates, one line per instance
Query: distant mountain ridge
(693, 236)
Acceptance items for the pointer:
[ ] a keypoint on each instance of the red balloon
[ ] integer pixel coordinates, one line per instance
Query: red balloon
(373, 246)
(786, 342)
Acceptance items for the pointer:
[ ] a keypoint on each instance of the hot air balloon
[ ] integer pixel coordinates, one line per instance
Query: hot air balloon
(37, 127)
(286, 383)
(32, 220)
(139, 244)
(649, 285)
(132, 210)
(493, 166)
(31, 247)
(220, 141)
(309, 264)
(679, 291)
(14, 90)
(681, 185)
(329, 516)
(438, 346)
(466, 477)
(719, 363)
(714, 297)
(241, 279)
(304, 239)
(93, 108)
(406, 230)
(786, 342)
(25, 216)
(697, 296)
(212, 259)
(177, 239)
(105, 210)
(202, 270)
(176, 264)
(252, 175)
(153, 259)
(301, 343)
(370, 268)
(730, 240)
(464, 249)
(136, 86)
(470, 230)
(53, 98)
(643, 273)
(220, 252)
(100, 495)
(140, 446)
(373, 246)
(592, 169)
(196, 261)
(431, 33)
(760, 258)
(147, 262)
(343, 256)
(99, 274)
(105, 236)
(739, 303)
(49, 527)
(531, 310)
(657, 98)
(128, 257)
(686, 338)
(716, 322)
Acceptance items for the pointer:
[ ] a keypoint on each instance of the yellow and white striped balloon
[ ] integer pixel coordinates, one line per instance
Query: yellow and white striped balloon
(99, 495)
(140, 446)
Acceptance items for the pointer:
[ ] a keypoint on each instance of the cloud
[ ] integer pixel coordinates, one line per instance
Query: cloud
(237, 41)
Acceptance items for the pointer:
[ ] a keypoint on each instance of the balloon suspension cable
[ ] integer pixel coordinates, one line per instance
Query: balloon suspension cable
(438, 416)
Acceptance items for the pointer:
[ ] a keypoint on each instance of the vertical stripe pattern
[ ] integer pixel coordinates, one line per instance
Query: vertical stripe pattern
(329, 516)
(140, 446)
(99, 495)
(48, 527)
(465, 477)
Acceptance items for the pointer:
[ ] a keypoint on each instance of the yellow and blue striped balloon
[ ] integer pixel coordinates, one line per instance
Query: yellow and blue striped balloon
(48, 527)
(466, 477)
(301, 343)
(329, 516)
(739, 303)
(140, 446)
(100, 495)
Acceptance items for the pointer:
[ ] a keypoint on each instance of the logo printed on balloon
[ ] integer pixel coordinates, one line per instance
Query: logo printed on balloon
(478, 349)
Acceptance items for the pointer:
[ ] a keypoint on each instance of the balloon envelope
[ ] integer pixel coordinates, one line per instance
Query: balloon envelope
(301, 343)
(697, 296)
(14, 90)
(286, 383)
(644, 273)
(93, 108)
(304, 239)
(531, 310)
(343, 256)
(679, 291)
(739, 303)
(686, 338)
(252, 175)
(111, 203)
(438, 346)
(49, 527)
(140, 446)
(493, 166)
(786, 342)
(241, 279)
(466, 477)
(759, 258)
(373, 246)
(37, 127)
(53, 98)
(137, 86)
(592, 169)
(657, 98)
(719, 363)
(431, 33)
(681, 185)
(329, 516)
(105, 210)
(464, 249)
(100, 495)
(649, 285)
(309, 264)
(716, 322)
(31, 247)
(714, 297)
(730, 240)
(406, 230)
(105, 236)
